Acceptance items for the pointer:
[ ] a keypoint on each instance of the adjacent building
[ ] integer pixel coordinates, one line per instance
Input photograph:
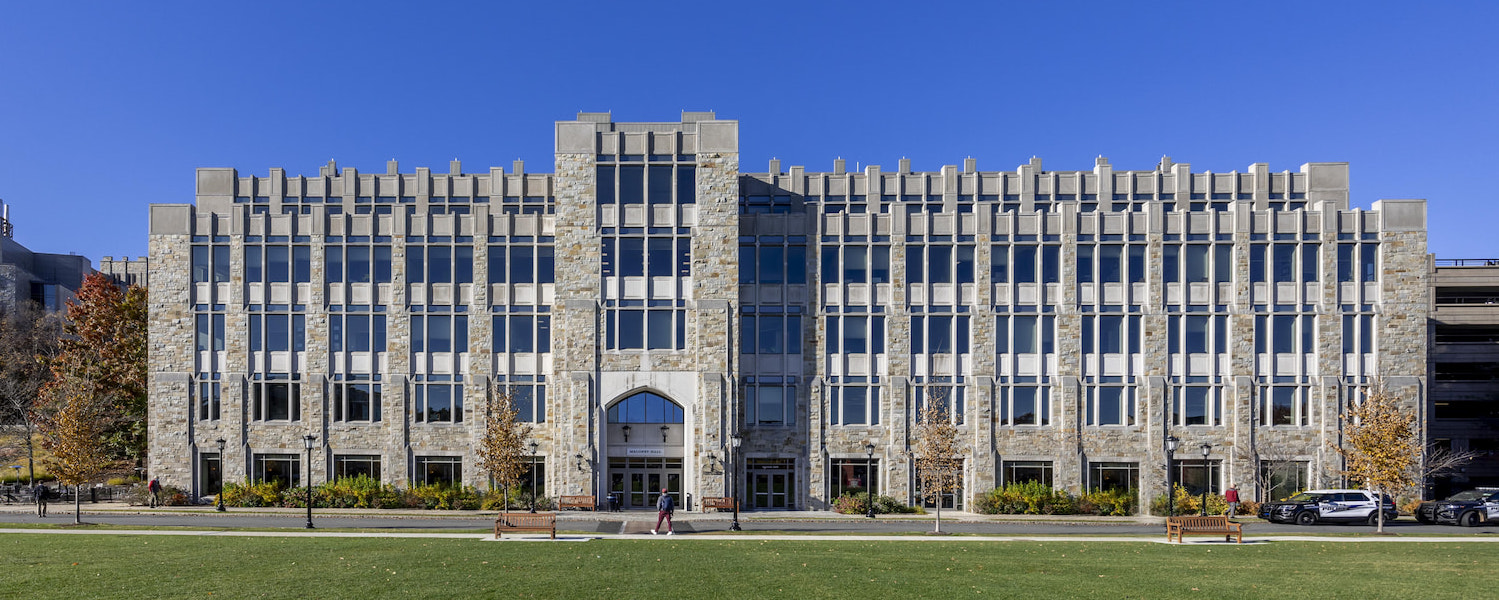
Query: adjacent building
(1465, 369)
(667, 319)
(49, 280)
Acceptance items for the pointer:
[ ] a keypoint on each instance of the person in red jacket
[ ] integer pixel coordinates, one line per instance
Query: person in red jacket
(1232, 496)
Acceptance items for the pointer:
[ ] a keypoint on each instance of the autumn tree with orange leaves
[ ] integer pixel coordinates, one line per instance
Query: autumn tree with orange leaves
(74, 424)
(502, 447)
(104, 343)
(1381, 446)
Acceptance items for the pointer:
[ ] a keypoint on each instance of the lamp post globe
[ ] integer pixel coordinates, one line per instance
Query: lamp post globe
(734, 442)
(1171, 443)
(220, 499)
(1206, 449)
(869, 481)
(307, 442)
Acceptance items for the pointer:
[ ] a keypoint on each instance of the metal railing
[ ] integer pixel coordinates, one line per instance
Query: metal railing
(1467, 262)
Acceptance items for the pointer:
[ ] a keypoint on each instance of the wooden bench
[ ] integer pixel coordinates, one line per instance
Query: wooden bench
(578, 502)
(718, 503)
(518, 522)
(1215, 525)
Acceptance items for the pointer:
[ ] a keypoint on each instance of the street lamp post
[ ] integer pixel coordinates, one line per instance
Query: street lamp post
(1206, 448)
(1171, 443)
(533, 476)
(221, 444)
(734, 442)
(307, 441)
(869, 481)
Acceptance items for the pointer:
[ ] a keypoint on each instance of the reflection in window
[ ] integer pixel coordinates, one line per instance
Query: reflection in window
(645, 407)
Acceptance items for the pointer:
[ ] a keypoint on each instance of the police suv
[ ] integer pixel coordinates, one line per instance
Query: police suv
(1469, 509)
(1327, 506)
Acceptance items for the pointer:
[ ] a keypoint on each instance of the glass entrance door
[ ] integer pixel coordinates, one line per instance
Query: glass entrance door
(638, 481)
(771, 489)
(771, 483)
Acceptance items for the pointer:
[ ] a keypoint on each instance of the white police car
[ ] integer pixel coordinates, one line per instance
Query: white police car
(1327, 506)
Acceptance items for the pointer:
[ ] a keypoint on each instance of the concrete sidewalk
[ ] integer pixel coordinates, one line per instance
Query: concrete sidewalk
(793, 516)
(1248, 540)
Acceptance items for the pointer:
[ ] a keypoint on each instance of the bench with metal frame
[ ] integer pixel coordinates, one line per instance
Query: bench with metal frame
(1211, 525)
(519, 522)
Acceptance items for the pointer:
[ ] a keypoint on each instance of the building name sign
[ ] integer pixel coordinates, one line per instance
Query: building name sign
(645, 452)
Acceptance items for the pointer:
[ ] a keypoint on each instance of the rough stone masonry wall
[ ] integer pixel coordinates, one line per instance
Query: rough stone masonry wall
(170, 345)
(576, 324)
(715, 294)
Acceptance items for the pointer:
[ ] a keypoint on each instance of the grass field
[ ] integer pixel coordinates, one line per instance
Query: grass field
(100, 566)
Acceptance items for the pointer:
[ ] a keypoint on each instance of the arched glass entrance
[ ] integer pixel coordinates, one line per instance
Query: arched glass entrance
(645, 449)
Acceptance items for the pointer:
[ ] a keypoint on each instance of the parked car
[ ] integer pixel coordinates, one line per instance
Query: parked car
(1328, 506)
(1469, 509)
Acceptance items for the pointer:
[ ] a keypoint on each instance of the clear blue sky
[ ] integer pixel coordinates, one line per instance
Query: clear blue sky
(108, 107)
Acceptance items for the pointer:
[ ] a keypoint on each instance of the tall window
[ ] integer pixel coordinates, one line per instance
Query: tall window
(357, 263)
(528, 393)
(854, 400)
(356, 397)
(856, 261)
(771, 402)
(773, 260)
(285, 469)
(949, 393)
(356, 465)
(273, 263)
(275, 397)
(439, 470)
(1199, 476)
(1284, 405)
(1280, 479)
(1113, 476)
(853, 476)
(208, 396)
(522, 333)
(856, 334)
(1026, 403)
(939, 260)
(1023, 471)
(1196, 401)
(522, 259)
(439, 333)
(1111, 402)
(645, 325)
(437, 398)
(439, 262)
(770, 334)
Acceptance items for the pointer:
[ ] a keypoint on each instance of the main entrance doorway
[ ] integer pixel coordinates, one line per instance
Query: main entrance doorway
(772, 483)
(645, 439)
(638, 481)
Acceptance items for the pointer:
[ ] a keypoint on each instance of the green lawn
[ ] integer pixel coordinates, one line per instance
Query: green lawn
(93, 566)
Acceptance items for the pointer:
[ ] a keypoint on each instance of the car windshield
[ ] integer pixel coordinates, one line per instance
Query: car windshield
(1305, 497)
(1468, 496)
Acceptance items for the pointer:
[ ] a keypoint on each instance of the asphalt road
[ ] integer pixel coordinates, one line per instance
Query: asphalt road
(641, 523)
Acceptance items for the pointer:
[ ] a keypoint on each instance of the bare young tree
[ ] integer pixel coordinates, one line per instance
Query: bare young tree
(1381, 446)
(1438, 461)
(28, 340)
(73, 424)
(939, 469)
(502, 451)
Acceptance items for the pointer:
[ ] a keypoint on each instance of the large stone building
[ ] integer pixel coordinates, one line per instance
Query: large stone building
(649, 305)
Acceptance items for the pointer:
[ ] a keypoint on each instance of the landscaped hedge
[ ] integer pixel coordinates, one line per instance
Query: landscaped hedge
(367, 492)
(1035, 498)
(1185, 503)
(857, 503)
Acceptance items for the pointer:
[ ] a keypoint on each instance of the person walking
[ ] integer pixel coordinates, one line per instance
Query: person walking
(155, 489)
(664, 507)
(39, 493)
(1232, 497)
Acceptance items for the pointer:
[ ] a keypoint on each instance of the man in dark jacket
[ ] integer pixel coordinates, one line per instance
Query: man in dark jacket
(40, 494)
(664, 506)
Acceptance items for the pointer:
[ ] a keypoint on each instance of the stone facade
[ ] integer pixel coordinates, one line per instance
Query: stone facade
(980, 286)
